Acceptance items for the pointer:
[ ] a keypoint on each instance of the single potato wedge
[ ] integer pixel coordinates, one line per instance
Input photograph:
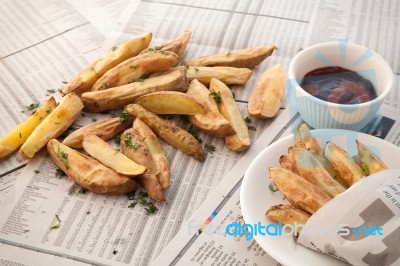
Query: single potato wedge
(287, 164)
(170, 102)
(212, 121)
(133, 147)
(228, 75)
(105, 129)
(53, 125)
(312, 170)
(136, 69)
(343, 163)
(84, 81)
(287, 214)
(88, 172)
(370, 162)
(178, 46)
(116, 98)
(247, 57)
(170, 133)
(13, 140)
(156, 150)
(107, 155)
(298, 190)
(266, 98)
(227, 106)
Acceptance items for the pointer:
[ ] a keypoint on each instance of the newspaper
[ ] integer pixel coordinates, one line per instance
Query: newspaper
(101, 229)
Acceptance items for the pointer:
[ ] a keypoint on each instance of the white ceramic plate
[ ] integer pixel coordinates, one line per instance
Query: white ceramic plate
(256, 197)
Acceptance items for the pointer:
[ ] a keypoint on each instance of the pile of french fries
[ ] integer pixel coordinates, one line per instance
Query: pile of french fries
(146, 82)
(310, 176)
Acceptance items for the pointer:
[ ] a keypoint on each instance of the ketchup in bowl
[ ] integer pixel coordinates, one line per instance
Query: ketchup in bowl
(338, 85)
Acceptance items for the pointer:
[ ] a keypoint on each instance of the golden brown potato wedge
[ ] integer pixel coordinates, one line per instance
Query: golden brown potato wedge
(19, 134)
(286, 163)
(84, 81)
(239, 141)
(212, 121)
(170, 133)
(107, 155)
(53, 125)
(156, 151)
(247, 57)
(178, 46)
(287, 214)
(118, 97)
(170, 102)
(312, 170)
(228, 75)
(88, 172)
(105, 129)
(298, 190)
(343, 163)
(133, 147)
(135, 68)
(370, 162)
(266, 98)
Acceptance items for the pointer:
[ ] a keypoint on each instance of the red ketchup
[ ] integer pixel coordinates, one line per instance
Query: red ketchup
(338, 85)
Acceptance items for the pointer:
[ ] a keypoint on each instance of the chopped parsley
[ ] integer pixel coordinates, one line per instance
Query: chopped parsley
(83, 190)
(197, 70)
(273, 187)
(194, 133)
(365, 168)
(93, 70)
(117, 138)
(57, 225)
(252, 128)
(247, 120)
(87, 213)
(63, 157)
(114, 48)
(115, 252)
(51, 91)
(123, 116)
(141, 198)
(32, 106)
(142, 78)
(128, 142)
(228, 53)
(132, 67)
(104, 87)
(216, 96)
(64, 82)
(36, 171)
(48, 111)
(209, 148)
(60, 172)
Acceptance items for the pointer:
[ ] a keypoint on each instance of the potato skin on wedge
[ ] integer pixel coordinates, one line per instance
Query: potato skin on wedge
(53, 125)
(140, 153)
(13, 140)
(228, 75)
(178, 45)
(287, 214)
(84, 81)
(370, 162)
(247, 57)
(212, 121)
(88, 172)
(169, 132)
(170, 102)
(156, 150)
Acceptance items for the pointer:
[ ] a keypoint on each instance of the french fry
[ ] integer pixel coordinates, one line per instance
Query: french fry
(312, 170)
(287, 164)
(212, 121)
(343, 163)
(298, 190)
(370, 162)
(170, 102)
(170, 133)
(105, 129)
(116, 98)
(133, 147)
(228, 75)
(239, 141)
(84, 81)
(266, 98)
(247, 57)
(13, 140)
(156, 150)
(107, 155)
(88, 172)
(53, 125)
(287, 214)
(135, 68)
(178, 46)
